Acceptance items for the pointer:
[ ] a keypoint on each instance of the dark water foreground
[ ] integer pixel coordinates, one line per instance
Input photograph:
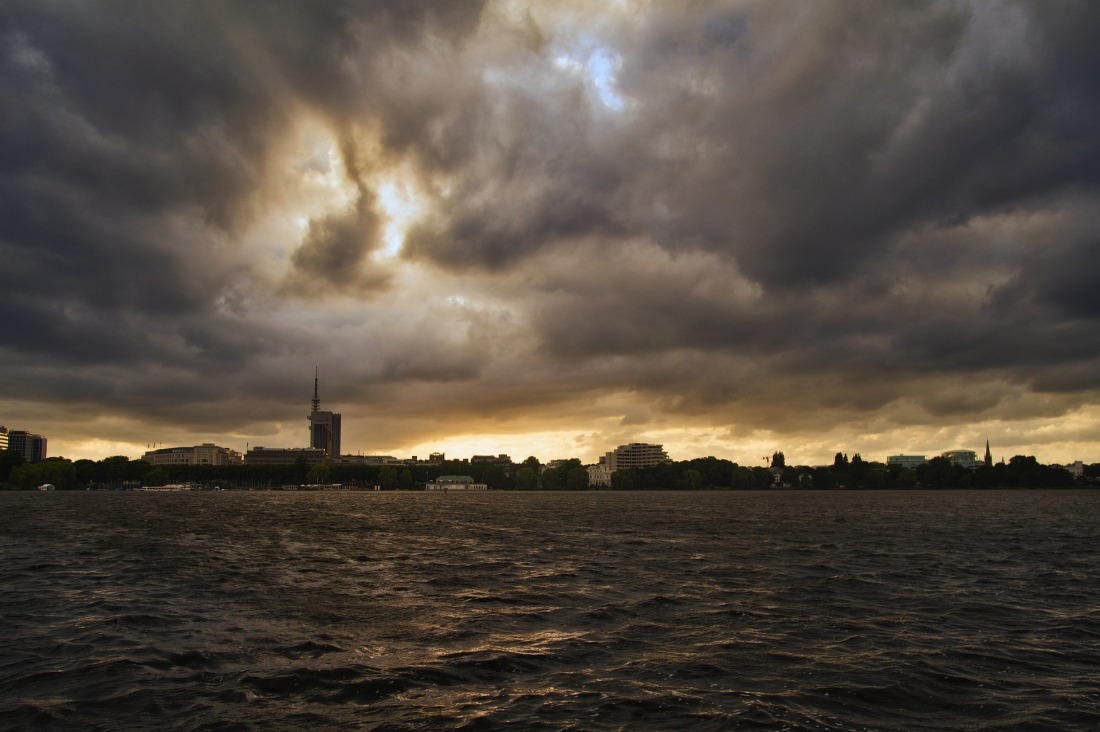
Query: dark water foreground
(414, 611)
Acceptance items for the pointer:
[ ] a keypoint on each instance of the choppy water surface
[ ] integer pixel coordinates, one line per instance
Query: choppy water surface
(418, 611)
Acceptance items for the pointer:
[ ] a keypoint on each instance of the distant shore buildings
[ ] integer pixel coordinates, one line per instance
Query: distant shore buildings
(625, 457)
(205, 454)
(31, 446)
(962, 458)
(324, 439)
(455, 483)
(324, 426)
(283, 455)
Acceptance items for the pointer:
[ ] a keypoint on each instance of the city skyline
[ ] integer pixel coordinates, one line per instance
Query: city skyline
(729, 229)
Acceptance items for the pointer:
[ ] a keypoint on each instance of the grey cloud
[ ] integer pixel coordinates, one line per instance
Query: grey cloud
(333, 255)
(119, 121)
(834, 208)
(798, 143)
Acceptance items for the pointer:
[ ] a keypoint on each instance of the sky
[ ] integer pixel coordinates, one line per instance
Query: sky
(551, 228)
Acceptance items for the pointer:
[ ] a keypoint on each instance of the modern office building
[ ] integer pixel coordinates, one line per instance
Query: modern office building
(3, 438)
(283, 455)
(963, 458)
(370, 460)
(205, 454)
(635, 455)
(31, 446)
(502, 461)
(907, 461)
(625, 457)
(324, 427)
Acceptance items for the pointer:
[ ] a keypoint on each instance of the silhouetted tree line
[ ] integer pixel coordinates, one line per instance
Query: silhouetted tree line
(699, 474)
(852, 474)
(119, 472)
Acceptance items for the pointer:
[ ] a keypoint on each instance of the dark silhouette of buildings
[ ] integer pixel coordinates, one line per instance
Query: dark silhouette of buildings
(324, 426)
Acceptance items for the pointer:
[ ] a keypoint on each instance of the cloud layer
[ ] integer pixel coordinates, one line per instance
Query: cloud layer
(729, 227)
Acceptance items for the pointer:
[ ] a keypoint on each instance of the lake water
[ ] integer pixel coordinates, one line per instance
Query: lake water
(551, 611)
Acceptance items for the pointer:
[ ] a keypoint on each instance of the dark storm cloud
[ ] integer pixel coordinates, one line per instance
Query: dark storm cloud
(334, 252)
(797, 140)
(815, 150)
(135, 139)
(833, 205)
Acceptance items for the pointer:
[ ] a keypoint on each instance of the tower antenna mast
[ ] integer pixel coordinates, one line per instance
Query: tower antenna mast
(316, 398)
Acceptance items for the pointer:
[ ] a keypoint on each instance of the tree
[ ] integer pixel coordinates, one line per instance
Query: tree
(405, 479)
(85, 471)
(527, 479)
(9, 461)
(744, 479)
(318, 474)
(762, 478)
(622, 480)
(905, 478)
(778, 460)
(551, 479)
(692, 480)
(858, 472)
(576, 479)
(823, 478)
(58, 472)
(939, 472)
(387, 477)
(493, 475)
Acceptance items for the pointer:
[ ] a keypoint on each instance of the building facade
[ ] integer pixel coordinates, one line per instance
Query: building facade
(906, 461)
(283, 455)
(963, 458)
(324, 427)
(599, 475)
(31, 446)
(3, 438)
(455, 483)
(635, 455)
(205, 454)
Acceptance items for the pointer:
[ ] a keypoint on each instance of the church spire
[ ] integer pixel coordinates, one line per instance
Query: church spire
(988, 456)
(317, 398)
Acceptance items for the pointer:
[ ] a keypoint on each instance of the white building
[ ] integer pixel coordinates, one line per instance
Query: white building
(635, 455)
(599, 475)
(963, 458)
(455, 483)
(205, 454)
(906, 461)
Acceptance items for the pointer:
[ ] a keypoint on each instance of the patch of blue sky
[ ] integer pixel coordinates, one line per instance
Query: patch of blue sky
(587, 55)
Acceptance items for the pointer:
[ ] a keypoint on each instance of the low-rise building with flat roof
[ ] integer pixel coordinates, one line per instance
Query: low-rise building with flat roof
(963, 458)
(205, 454)
(455, 483)
(907, 461)
(283, 455)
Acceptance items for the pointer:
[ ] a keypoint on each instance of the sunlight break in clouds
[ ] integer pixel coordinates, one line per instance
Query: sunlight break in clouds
(402, 206)
(597, 64)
